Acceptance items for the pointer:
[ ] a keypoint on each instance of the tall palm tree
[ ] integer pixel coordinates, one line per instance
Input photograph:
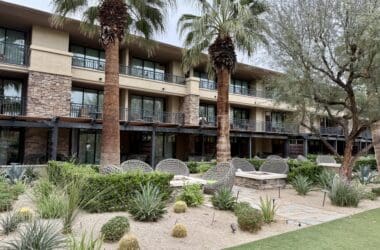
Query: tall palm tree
(117, 20)
(222, 25)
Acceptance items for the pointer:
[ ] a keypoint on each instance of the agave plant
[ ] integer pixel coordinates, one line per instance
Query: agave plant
(38, 235)
(302, 184)
(15, 174)
(147, 204)
(365, 175)
(268, 209)
(223, 199)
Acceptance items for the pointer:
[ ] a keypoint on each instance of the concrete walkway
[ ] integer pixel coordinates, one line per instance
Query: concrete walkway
(301, 210)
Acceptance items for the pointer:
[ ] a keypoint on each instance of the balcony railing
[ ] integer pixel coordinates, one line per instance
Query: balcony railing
(12, 106)
(148, 116)
(331, 131)
(211, 85)
(260, 126)
(88, 63)
(207, 121)
(85, 111)
(13, 53)
(153, 75)
(95, 112)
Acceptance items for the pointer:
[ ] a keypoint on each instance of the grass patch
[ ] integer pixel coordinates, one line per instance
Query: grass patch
(356, 232)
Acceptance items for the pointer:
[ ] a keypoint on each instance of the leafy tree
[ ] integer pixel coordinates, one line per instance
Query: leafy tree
(222, 26)
(114, 22)
(330, 52)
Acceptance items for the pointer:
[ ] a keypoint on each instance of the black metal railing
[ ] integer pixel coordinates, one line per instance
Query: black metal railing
(95, 64)
(207, 84)
(153, 75)
(148, 116)
(85, 111)
(366, 134)
(261, 126)
(207, 121)
(331, 131)
(12, 106)
(13, 53)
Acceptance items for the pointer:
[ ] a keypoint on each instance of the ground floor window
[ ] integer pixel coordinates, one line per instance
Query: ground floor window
(89, 146)
(9, 146)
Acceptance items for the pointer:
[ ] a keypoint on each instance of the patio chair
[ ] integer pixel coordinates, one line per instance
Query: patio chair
(173, 166)
(301, 158)
(274, 157)
(242, 164)
(278, 166)
(110, 169)
(325, 159)
(222, 175)
(136, 165)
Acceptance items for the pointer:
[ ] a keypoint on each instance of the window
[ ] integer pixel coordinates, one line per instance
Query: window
(10, 97)
(239, 87)
(274, 121)
(147, 69)
(9, 146)
(240, 114)
(205, 82)
(89, 146)
(12, 46)
(86, 102)
(88, 58)
(207, 114)
(146, 108)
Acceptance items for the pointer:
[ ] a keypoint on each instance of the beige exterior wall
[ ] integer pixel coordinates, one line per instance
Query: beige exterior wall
(49, 51)
(173, 104)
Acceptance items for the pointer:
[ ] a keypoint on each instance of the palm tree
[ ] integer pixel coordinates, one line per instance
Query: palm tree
(222, 25)
(117, 20)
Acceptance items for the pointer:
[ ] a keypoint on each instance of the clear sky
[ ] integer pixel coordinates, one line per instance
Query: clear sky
(261, 58)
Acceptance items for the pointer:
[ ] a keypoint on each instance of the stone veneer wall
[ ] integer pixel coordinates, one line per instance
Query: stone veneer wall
(48, 95)
(190, 107)
(36, 140)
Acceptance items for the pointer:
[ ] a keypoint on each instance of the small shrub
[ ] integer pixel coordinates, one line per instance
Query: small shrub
(147, 204)
(268, 209)
(344, 194)
(5, 201)
(17, 188)
(9, 223)
(307, 168)
(204, 167)
(180, 207)
(129, 242)
(240, 206)
(368, 160)
(38, 235)
(250, 220)
(301, 184)
(256, 162)
(115, 228)
(85, 242)
(179, 231)
(223, 199)
(376, 191)
(43, 188)
(30, 174)
(51, 206)
(25, 214)
(193, 167)
(192, 195)
(326, 178)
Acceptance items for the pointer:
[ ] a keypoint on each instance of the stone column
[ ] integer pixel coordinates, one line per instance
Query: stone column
(190, 103)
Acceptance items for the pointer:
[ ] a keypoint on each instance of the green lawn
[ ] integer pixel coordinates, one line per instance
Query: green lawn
(361, 231)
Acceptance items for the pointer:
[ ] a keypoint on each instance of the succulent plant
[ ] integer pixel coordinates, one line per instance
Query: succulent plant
(180, 207)
(15, 174)
(25, 214)
(179, 231)
(129, 242)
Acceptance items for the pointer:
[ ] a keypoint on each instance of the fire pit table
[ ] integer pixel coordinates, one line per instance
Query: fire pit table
(181, 180)
(260, 180)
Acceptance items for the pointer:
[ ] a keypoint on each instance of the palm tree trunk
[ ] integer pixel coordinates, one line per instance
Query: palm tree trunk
(110, 145)
(375, 130)
(223, 147)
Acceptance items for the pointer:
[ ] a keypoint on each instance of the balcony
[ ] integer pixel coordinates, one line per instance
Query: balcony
(207, 121)
(131, 71)
(145, 116)
(331, 131)
(152, 75)
(12, 106)
(211, 85)
(260, 126)
(13, 53)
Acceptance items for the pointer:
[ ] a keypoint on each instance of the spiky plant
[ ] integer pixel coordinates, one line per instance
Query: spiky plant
(223, 199)
(9, 223)
(222, 26)
(302, 184)
(268, 209)
(38, 235)
(118, 19)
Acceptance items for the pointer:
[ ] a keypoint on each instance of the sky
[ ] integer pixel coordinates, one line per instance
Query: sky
(261, 58)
